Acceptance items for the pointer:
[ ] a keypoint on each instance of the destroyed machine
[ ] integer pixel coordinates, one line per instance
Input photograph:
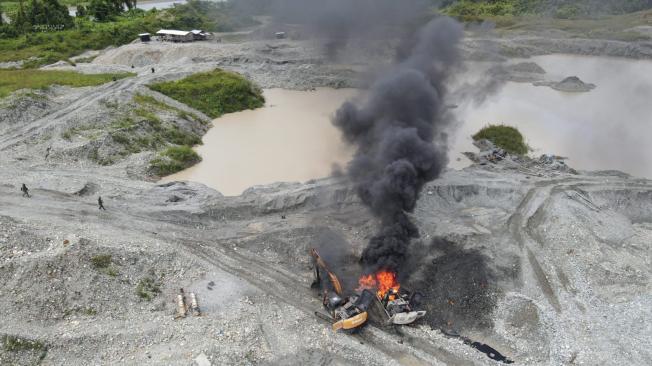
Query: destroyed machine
(347, 312)
(378, 298)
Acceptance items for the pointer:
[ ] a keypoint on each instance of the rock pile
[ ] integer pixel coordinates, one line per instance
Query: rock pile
(571, 84)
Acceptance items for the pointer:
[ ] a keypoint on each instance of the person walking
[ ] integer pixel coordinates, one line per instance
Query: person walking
(100, 203)
(25, 191)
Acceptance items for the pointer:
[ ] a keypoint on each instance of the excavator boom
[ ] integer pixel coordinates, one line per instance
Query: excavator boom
(335, 282)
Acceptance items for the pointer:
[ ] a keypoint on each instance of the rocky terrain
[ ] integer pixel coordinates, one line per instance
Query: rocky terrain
(548, 266)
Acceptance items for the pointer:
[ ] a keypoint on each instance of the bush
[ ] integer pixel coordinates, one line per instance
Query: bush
(183, 154)
(16, 344)
(101, 261)
(104, 10)
(148, 288)
(467, 10)
(214, 93)
(174, 159)
(505, 137)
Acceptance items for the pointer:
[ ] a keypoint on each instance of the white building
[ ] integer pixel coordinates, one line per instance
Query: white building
(175, 35)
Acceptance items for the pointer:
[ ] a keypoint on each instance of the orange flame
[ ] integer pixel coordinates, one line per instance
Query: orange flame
(382, 281)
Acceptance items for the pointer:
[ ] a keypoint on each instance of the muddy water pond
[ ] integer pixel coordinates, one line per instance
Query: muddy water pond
(609, 127)
(292, 139)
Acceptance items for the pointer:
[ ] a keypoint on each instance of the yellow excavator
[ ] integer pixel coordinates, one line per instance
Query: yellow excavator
(347, 313)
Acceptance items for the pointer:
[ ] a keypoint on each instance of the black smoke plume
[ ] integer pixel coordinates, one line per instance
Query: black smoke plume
(401, 139)
(338, 21)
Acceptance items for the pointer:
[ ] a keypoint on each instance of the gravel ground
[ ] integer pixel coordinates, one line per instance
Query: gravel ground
(569, 258)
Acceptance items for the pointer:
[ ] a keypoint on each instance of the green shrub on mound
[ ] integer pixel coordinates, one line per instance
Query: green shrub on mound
(215, 92)
(506, 137)
(174, 159)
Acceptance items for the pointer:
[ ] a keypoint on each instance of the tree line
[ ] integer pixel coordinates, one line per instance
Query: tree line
(50, 15)
(555, 8)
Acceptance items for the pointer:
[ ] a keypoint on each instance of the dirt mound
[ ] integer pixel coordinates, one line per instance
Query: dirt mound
(89, 189)
(571, 84)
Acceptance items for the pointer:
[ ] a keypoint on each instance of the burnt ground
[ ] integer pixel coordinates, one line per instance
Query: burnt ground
(459, 287)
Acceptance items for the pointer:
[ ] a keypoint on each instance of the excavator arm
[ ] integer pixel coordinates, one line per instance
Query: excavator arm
(320, 264)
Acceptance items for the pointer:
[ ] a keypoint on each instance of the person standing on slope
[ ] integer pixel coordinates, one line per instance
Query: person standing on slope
(100, 203)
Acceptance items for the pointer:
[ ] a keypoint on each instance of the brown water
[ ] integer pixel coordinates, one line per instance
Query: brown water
(607, 128)
(290, 139)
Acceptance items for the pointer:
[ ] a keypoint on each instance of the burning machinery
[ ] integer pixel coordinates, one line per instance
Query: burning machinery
(348, 313)
(379, 295)
(397, 306)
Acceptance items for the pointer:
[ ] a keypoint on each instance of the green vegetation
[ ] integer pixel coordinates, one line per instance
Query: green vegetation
(147, 101)
(52, 46)
(103, 10)
(616, 27)
(471, 10)
(90, 311)
(214, 93)
(68, 134)
(608, 19)
(14, 79)
(505, 137)
(174, 159)
(101, 261)
(38, 16)
(112, 272)
(148, 288)
(149, 116)
(562, 9)
(48, 37)
(125, 123)
(142, 128)
(88, 59)
(16, 344)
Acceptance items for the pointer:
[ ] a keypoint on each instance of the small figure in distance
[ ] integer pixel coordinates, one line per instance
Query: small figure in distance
(100, 203)
(152, 70)
(25, 191)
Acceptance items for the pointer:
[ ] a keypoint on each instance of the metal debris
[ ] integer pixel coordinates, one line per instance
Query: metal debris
(194, 305)
(181, 306)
